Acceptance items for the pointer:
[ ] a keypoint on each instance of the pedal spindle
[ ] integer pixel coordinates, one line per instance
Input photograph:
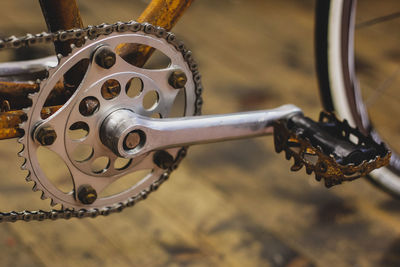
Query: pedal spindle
(330, 148)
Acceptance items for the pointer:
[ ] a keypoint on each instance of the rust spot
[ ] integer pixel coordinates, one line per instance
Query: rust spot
(163, 13)
(9, 121)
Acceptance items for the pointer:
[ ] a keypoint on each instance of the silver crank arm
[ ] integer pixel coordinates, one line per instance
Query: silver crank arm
(130, 135)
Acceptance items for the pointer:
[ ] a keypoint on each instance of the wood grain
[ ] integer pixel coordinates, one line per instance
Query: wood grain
(229, 204)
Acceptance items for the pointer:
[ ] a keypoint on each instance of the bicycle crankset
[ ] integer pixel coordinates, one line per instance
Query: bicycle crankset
(104, 131)
(91, 132)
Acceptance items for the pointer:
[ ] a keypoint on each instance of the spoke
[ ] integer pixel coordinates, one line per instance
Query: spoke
(380, 90)
(378, 20)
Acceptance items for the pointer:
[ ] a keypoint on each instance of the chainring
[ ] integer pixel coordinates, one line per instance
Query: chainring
(69, 117)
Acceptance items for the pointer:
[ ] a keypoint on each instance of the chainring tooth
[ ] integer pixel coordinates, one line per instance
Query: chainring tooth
(84, 35)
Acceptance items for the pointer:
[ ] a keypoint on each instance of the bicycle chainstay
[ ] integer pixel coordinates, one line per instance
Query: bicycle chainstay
(330, 148)
(92, 32)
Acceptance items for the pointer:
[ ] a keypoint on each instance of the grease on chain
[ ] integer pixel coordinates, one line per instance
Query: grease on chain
(92, 32)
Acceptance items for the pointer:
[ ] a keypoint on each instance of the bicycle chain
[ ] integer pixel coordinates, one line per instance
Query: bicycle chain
(92, 32)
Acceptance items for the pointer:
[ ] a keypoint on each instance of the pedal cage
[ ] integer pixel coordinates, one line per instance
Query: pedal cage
(298, 146)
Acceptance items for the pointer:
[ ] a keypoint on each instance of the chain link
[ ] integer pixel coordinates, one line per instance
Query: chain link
(92, 32)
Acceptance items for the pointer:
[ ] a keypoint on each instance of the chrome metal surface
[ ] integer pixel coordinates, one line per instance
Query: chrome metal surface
(71, 114)
(160, 159)
(160, 134)
(27, 69)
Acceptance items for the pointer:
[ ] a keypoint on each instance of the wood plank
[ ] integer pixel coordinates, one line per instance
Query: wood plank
(231, 204)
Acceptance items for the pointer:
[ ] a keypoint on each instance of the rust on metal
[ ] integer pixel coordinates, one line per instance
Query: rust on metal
(88, 106)
(10, 120)
(46, 135)
(16, 94)
(110, 89)
(315, 160)
(177, 79)
(62, 15)
(163, 13)
(59, 15)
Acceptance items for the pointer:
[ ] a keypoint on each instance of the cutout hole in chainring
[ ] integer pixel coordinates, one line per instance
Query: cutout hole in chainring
(125, 182)
(178, 107)
(78, 130)
(158, 59)
(100, 164)
(134, 87)
(150, 100)
(122, 163)
(82, 153)
(66, 86)
(110, 89)
(55, 169)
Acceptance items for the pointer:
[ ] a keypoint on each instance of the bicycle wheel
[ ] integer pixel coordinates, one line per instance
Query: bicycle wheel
(356, 84)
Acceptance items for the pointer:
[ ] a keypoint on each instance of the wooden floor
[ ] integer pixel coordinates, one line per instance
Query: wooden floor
(229, 204)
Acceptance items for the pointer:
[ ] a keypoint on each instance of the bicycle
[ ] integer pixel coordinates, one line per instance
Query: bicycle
(137, 145)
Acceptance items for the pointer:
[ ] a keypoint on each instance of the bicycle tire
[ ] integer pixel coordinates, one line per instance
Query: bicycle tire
(339, 87)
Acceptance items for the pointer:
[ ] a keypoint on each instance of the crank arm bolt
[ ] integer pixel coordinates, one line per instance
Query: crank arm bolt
(86, 194)
(133, 140)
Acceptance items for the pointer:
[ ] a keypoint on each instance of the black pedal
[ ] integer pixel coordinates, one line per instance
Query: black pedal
(330, 148)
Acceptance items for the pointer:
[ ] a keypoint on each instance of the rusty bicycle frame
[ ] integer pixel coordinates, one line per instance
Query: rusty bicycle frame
(64, 15)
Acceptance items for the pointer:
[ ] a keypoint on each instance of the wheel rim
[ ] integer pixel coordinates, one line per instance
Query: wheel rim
(343, 82)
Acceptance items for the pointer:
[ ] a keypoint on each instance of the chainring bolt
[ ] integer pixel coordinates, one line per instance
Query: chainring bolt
(177, 79)
(89, 106)
(105, 57)
(87, 194)
(163, 159)
(46, 136)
